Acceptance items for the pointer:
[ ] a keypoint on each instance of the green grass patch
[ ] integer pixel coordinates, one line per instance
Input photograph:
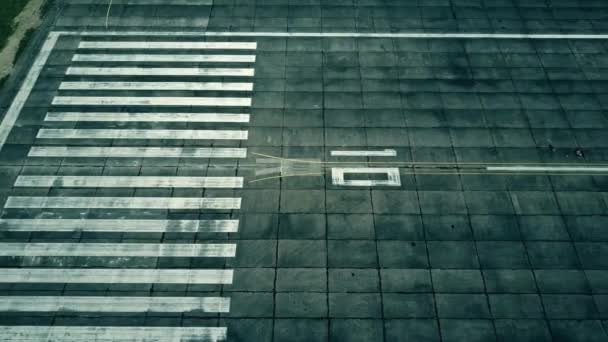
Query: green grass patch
(10, 9)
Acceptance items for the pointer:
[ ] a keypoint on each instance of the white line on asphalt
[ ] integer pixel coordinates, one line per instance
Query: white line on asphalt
(151, 101)
(383, 153)
(128, 182)
(114, 276)
(140, 71)
(338, 173)
(186, 86)
(28, 84)
(120, 225)
(113, 304)
(147, 117)
(115, 334)
(137, 152)
(179, 250)
(167, 134)
(217, 203)
(146, 2)
(169, 45)
(548, 168)
(164, 58)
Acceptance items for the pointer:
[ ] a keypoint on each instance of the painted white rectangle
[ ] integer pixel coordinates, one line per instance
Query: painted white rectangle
(383, 153)
(119, 225)
(180, 250)
(146, 117)
(114, 304)
(548, 168)
(137, 152)
(165, 203)
(186, 86)
(168, 45)
(107, 334)
(393, 178)
(128, 182)
(141, 71)
(114, 276)
(164, 58)
(167, 134)
(151, 101)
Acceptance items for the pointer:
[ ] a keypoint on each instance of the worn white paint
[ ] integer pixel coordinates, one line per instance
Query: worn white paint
(137, 152)
(382, 153)
(146, 117)
(190, 58)
(523, 168)
(129, 182)
(118, 45)
(119, 225)
(168, 134)
(337, 176)
(114, 304)
(141, 71)
(166, 203)
(185, 86)
(151, 101)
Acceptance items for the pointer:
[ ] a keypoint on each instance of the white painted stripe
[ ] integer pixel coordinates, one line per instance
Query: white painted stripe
(337, 176)
(114, 334)
(137, 152)
(146, 2)
(113, 304)
(10, 117)
(120, 225)
(164, 58)
(114, 276)
(547, 168)
(151, 101)
(168, 134)
(423, 35)
(129, 182)
(190, 86)
(169, 45)
(145, 117)
(124, 202)
(180, 250)
(139, 71)
(383, 153)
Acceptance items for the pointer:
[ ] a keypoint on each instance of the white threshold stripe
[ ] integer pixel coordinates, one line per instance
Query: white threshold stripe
(129, 182)
(146, 117)
(548, 168)
(114, 276)
(113, 304)
(151, 101)
(114, 334)
(190, 86)
(383, 153)
(447, 35)
(167, 203)
(169, 45)
(140, 71)
(119, 225)
(137, 152)
(164, 58)
(154, 250)
(168, 134)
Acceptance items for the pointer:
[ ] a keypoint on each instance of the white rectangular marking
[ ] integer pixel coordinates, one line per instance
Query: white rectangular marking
(180, 250)
(120, 225)
(113, 304)
(393, 178)
(189, 86)
(128, 182)
(168, 134)
(151, 101)
(140, 71)
(114, 334)
(147, 117)
(137, 152)
(114, 276)
(548, 168)
(166, 203)
(169, 45)
(383, 153)
(164, 58)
